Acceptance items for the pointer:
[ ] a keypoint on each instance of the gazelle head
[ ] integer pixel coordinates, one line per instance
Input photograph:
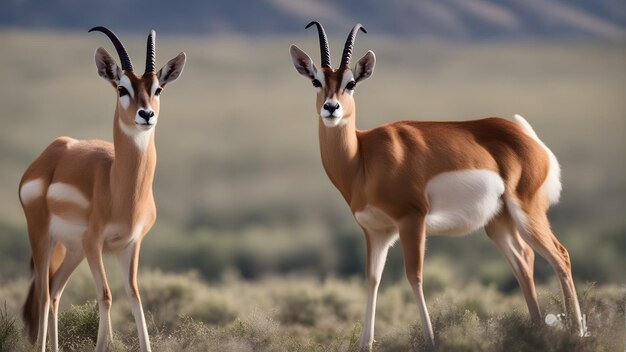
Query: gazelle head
(335, 87)
(138, 96)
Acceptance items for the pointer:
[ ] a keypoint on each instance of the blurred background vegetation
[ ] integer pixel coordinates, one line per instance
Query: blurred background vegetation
(239, 187)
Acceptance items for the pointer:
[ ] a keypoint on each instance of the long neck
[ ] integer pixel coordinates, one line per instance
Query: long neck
(132, 171)
(339, 147)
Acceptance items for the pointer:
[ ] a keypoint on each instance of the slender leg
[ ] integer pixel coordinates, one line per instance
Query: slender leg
(128, 260)
(413, 239)
(96, 265)
(73, 257)
(378, 243)
(42, 275)
(537, 233)
(501, 230)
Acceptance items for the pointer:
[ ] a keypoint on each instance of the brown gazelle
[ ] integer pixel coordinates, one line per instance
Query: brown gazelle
(411, 179)
(83, 198)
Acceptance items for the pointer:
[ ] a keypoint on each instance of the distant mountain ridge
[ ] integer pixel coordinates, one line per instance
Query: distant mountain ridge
(451, 19)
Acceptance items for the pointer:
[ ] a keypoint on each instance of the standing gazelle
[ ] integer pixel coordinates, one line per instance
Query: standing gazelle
(84, 198)
(411, 179)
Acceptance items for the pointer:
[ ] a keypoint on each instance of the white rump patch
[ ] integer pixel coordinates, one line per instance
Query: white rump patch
(552, 185)
(462, 201)
(31, 190)
(64, 192)
(66, 231)
(141, 138)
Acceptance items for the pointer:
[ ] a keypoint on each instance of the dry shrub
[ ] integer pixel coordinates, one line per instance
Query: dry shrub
(78, 327)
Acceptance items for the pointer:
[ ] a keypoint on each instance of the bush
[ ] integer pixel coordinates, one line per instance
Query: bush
(78, 327)
(9, 331)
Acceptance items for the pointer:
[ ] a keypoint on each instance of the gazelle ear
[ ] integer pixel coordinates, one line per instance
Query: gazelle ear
(172, 69)
(302, 62)
(365, 67)
(107, 68)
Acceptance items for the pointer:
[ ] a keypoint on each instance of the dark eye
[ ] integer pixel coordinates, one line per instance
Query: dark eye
(122, 91)
(351, 85)
(158, 91)
(317, 83)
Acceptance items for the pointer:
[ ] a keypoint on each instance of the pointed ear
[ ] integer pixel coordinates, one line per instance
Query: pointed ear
(365, 67)
(302, 62)
(172, 69)
(107, 68)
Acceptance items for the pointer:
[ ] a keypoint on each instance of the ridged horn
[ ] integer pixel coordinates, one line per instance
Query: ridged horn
(150, 53)
(121, 51)
(347, 49)
(324, 50)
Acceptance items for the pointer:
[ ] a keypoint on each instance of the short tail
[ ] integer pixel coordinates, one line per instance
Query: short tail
(552, 185)
(30, 311)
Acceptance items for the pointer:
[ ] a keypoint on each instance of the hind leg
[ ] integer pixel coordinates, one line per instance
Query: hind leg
(42, 283)
(74, 255)
(93, 252)
(42, 247)
(501, 230)
(535, 230)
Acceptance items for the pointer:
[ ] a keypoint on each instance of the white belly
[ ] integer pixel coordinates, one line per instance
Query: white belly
(460, 202)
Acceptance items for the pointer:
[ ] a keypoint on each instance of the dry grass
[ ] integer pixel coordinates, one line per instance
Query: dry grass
(304, 314)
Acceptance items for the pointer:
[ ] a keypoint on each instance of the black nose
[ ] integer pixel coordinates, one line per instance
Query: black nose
(331, 107)
(146, 114)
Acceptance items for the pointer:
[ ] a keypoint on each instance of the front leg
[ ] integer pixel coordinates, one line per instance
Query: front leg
(129, 259)
(413, 239)
(93, 252)
(378, 243)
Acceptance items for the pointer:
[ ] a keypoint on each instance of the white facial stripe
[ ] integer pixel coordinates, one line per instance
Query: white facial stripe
(64, 192)
(125, 82)
(155, 86)
(140, 137)
(31, 190)
(320, 77)
(125, 101)
(347, 77)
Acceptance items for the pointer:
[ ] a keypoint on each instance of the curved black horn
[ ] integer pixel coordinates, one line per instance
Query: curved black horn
(150, 53)
(347, 49)
(121, 51)
(325, 51)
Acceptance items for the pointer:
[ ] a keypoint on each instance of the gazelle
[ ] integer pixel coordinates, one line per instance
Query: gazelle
(411, 179)
(83, 198)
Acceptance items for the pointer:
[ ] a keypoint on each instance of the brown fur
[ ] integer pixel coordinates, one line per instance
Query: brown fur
(388, 168)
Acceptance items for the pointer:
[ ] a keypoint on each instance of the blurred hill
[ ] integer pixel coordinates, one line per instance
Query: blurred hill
(452, 19)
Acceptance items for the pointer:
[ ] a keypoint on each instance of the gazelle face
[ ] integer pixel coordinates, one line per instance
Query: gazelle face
(138, 100)
(335, 88)
(334, 95)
